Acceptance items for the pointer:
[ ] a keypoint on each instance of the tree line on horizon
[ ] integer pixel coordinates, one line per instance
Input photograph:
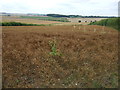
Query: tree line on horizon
(78, 16)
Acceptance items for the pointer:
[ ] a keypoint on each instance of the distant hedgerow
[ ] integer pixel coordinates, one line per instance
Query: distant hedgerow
(18, 24)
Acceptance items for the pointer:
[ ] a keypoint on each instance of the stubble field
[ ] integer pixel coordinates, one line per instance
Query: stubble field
(79, 56)
(27, 20)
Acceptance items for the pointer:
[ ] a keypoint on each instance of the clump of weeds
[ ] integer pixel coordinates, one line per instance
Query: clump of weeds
(54, 50)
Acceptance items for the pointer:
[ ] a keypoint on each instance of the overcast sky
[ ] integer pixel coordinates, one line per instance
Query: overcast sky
(68, 7)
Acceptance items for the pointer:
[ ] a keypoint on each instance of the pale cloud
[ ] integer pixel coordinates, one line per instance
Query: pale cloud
(80, 7)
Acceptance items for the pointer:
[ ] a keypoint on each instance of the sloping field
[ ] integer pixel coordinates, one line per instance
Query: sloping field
(60, 56)
(48, 18)
(33, 20)
(37, 21)
(26, 20)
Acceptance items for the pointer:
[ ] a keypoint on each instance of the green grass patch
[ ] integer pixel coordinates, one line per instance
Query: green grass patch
(48, 18)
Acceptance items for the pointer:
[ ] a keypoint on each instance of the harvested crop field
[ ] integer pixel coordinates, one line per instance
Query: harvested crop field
(60, 57)
(26, 20)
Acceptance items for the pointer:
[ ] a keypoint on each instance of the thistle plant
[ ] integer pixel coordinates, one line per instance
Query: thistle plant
(103, 30)
(94, 29)
(54, 50)
(84, 29)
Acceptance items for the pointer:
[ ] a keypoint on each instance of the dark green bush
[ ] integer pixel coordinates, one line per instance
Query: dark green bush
(18, 24)
(111, 22)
